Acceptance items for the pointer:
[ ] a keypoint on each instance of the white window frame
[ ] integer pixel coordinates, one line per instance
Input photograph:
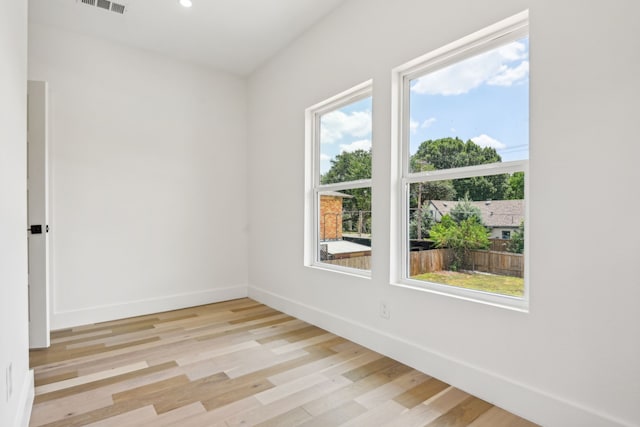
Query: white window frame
(313, 187)
(508, 30)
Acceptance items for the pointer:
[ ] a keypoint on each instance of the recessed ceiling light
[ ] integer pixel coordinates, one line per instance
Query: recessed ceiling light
(186, 3)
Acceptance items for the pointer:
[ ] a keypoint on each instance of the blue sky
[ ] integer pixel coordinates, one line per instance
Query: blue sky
(484, 98)
(346, 129)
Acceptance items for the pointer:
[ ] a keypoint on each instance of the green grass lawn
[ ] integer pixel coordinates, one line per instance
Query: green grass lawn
(504, 285)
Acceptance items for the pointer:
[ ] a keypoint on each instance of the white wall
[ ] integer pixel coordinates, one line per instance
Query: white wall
(148, 179)
(14, 335)
(574, 359)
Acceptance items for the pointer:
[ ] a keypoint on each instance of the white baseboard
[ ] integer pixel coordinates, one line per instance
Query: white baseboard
(27, 393)
(88, 315)
(536, 405)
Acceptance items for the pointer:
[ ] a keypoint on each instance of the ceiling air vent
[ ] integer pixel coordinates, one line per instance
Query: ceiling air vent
(106, 5)
(117, 7)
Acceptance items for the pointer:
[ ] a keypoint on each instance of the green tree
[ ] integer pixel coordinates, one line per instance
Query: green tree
(516, 243)
(436, 190)
(464, 209)
(357, 210)
(351, 166)
(446, 153)
(421, 193)
(421, 222)
(432, 190)
(461, 238)
(491, 187)
(515, 186)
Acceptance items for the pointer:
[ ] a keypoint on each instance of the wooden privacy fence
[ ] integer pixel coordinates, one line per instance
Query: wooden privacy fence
(429, 261)
(359, 262)
(502, 263)
(499, 245)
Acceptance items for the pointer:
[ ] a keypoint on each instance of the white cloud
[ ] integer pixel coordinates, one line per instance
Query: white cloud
(325, 156)
(494, 67)
(509, 76)
(363, 144)
(427, 123)
(413, 125)
(512, 51)
(337, 124)
(486, 141)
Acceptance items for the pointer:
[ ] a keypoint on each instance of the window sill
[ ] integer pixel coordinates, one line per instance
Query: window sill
(495, 300)
(363, 274)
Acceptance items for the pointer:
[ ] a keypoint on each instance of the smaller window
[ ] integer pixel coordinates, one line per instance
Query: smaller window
(506, 234)
(338, 206)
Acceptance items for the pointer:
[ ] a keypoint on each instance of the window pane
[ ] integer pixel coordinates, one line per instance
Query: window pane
(469, 233)
(345, 143)
(345, 228)
(472, 112)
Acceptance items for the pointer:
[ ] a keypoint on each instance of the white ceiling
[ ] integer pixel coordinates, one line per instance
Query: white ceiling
(230, 35)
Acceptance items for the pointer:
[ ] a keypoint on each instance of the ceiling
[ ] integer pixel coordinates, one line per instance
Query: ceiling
(230, 35)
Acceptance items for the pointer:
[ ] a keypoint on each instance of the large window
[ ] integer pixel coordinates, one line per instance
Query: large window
(339, 182)
(463, 140)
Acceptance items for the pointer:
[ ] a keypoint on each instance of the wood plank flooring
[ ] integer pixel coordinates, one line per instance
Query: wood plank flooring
(236, 363)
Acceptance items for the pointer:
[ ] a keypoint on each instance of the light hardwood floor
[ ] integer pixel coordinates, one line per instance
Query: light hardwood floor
(236, 363)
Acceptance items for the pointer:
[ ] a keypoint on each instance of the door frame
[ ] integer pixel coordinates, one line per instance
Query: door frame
(38, 214)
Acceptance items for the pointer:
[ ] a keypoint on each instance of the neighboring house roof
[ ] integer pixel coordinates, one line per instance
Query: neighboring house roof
(336, 194)
(495, 213)
(335, 247)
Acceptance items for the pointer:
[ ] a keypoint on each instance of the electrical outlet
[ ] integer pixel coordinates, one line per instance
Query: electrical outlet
(9, 380)
(385, 311)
